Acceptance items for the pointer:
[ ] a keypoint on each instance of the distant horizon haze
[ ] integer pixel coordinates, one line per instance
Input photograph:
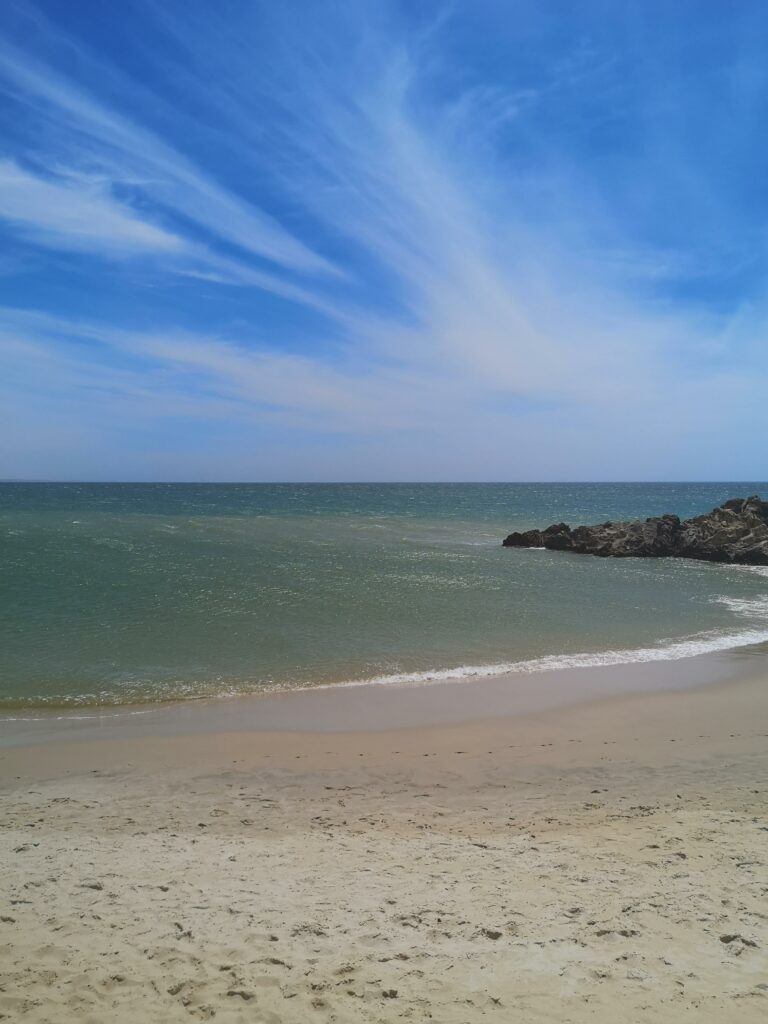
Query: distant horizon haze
(361, 483)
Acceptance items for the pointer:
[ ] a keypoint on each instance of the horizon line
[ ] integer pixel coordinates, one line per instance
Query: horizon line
(366, 483)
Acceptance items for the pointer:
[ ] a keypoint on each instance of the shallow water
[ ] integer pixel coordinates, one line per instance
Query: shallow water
(116, 594)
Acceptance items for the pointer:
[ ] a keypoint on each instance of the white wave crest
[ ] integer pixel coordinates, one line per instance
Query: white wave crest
(69, 716)
(672, 650)
(754, 607)
(757, 570)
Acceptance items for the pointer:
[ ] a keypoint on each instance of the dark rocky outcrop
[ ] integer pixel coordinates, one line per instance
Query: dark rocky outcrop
(735, 532)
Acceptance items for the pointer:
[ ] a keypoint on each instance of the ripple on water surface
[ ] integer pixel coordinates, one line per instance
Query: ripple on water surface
(117, 594)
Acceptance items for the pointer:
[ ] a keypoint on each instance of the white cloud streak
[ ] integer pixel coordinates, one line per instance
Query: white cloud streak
(77, 216)
(396, 423)
(125, 149)
(503, 349)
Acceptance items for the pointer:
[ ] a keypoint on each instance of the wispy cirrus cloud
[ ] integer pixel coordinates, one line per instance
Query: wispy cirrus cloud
(126, 151)
(77, 215)
(272, 410)
(495, 306)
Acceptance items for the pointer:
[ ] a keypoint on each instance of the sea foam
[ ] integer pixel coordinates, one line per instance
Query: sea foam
(672, 650)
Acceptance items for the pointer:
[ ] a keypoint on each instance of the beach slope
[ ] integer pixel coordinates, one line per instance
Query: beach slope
(605, 862)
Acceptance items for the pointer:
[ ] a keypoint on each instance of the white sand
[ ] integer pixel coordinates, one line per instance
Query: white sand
(603, 863)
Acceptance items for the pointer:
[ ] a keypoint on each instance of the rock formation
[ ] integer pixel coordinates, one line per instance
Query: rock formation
(735, 532)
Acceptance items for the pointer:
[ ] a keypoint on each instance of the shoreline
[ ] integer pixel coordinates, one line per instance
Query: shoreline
(602, 861)
(681, 649)
(373, 707)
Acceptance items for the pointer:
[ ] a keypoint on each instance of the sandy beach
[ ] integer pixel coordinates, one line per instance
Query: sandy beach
(603, 861)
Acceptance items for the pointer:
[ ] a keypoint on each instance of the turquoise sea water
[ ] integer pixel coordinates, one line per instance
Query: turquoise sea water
(118, 593)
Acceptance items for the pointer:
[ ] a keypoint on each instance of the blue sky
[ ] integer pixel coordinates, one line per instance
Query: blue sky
(383, 241)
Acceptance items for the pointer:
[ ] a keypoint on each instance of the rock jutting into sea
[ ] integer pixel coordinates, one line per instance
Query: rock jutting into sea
(735, 532)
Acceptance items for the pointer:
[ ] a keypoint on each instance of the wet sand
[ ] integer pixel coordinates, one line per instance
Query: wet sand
(524, 856)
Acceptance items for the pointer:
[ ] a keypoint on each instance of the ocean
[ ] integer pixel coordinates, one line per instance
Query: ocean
(116, 594)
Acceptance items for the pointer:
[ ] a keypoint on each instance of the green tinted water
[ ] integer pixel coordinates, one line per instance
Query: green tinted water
(123, 593)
